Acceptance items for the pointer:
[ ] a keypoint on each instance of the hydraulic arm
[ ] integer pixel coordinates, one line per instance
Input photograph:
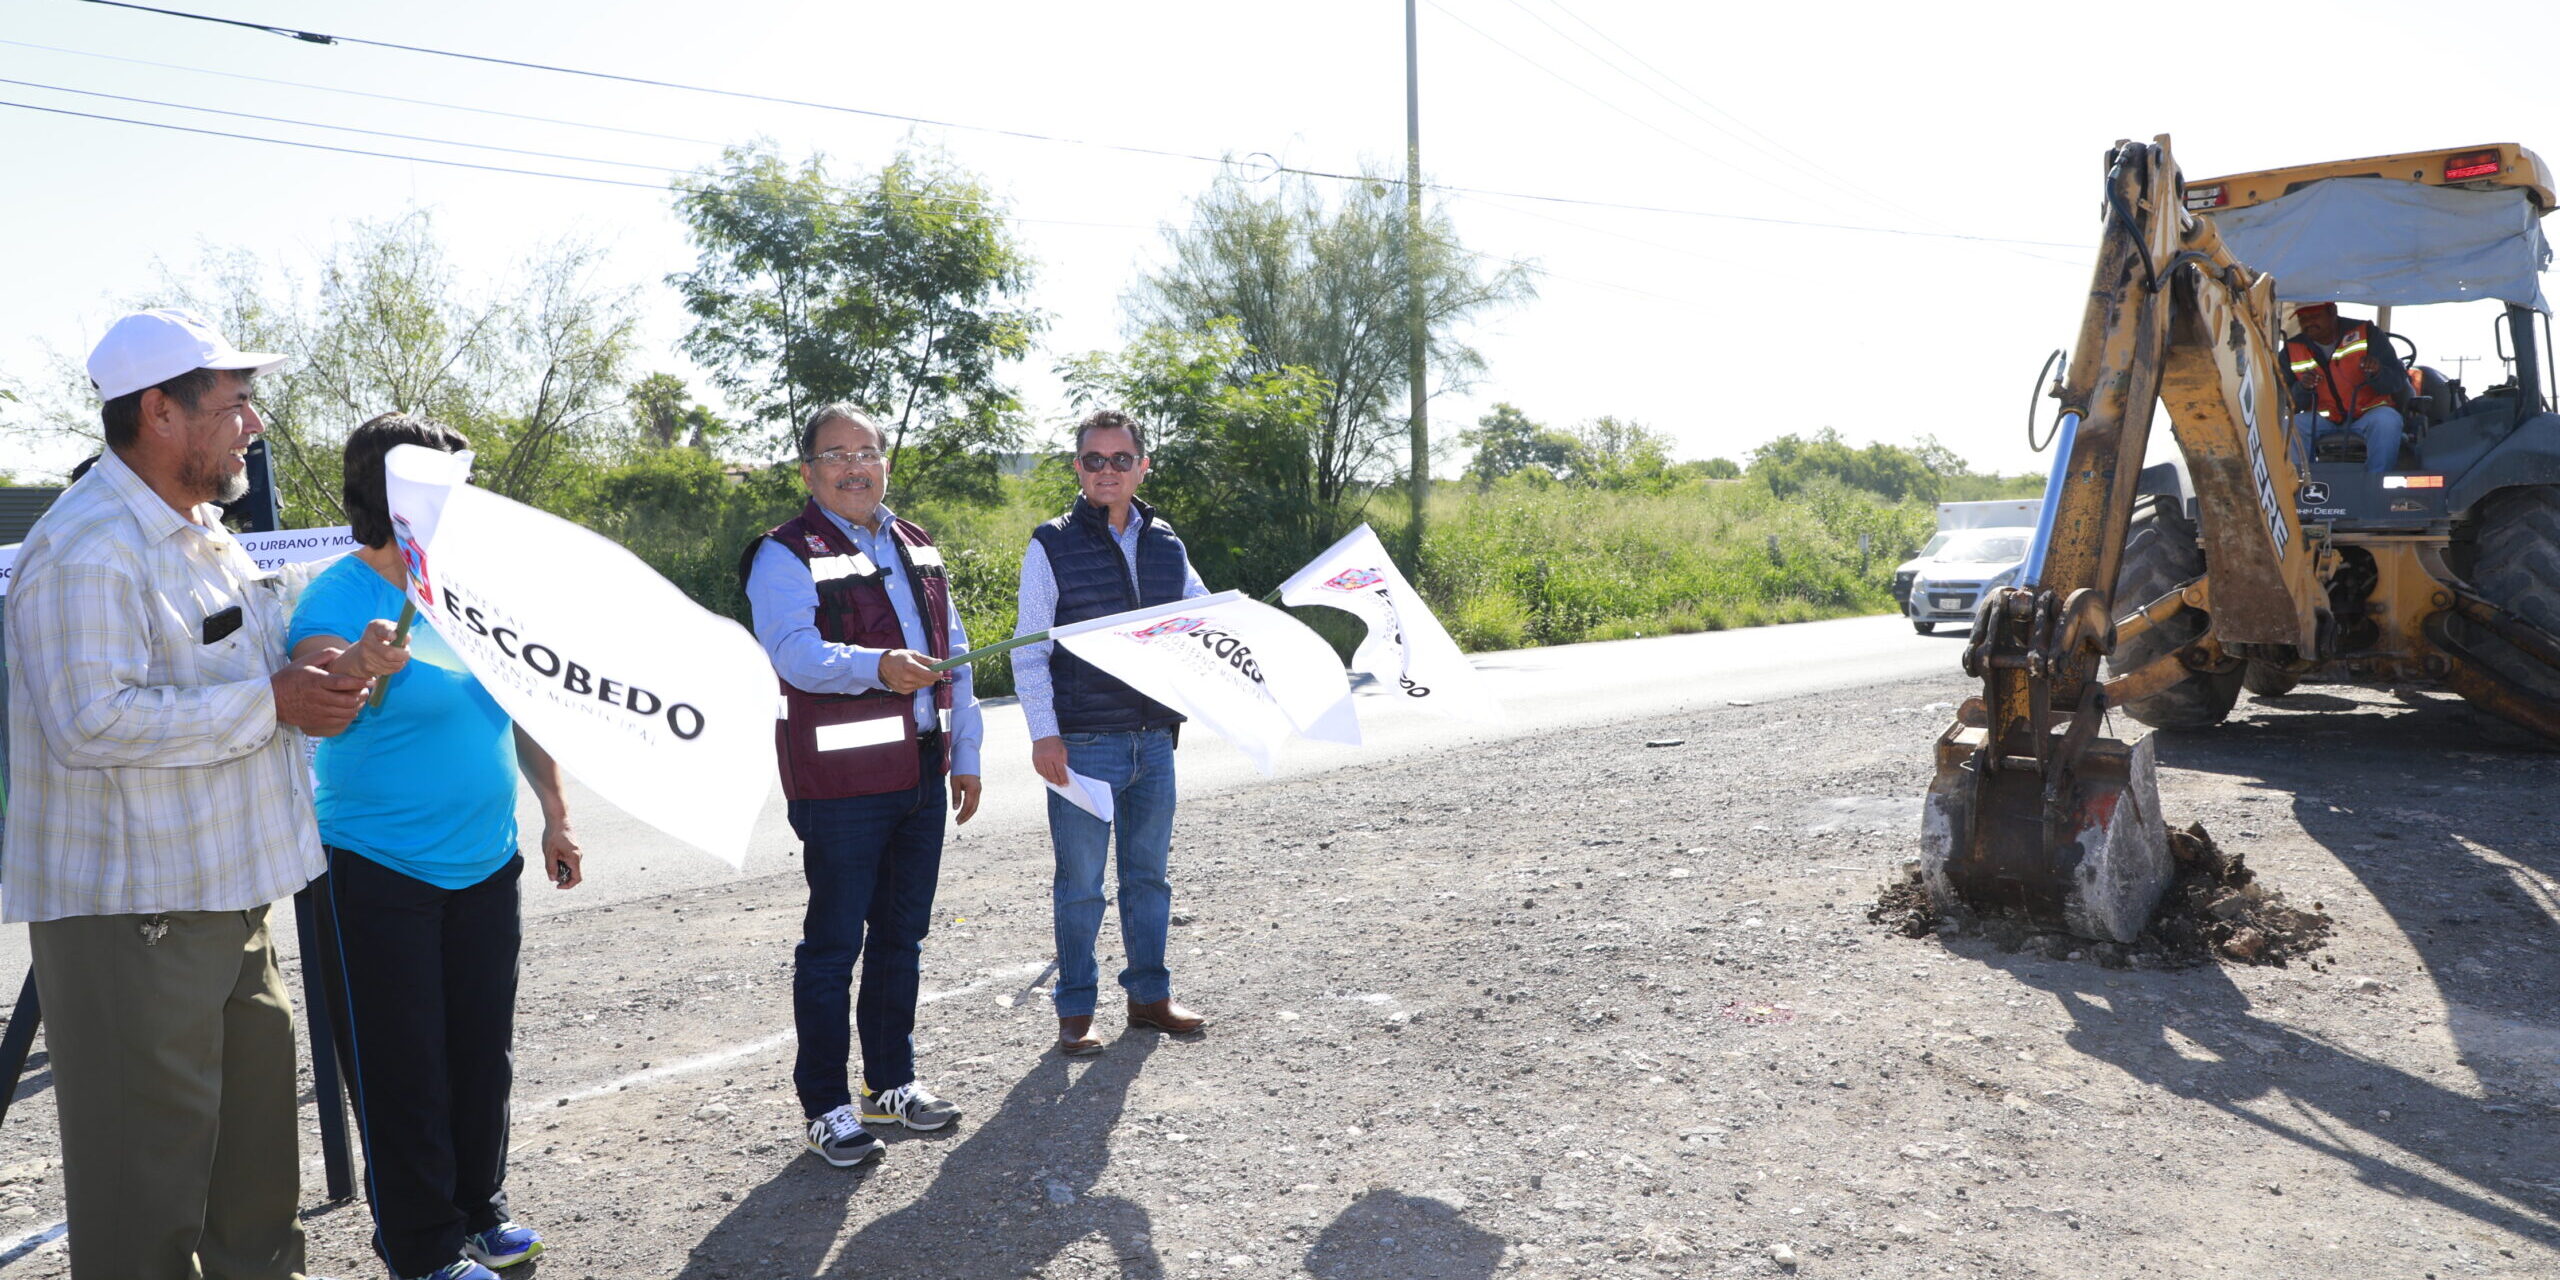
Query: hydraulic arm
(2034, 808)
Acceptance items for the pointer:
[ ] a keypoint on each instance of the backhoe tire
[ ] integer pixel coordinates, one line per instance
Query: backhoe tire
(2267, 682)
(2160, 554)
(1923, 628)
(2518, 566)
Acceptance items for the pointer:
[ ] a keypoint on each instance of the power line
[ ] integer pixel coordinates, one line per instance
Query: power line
(1739, 217)
(1815, 169)
(315, 37)
(655, 187)
(652, 187)
(363, 93)
(345, 128)
(1300, 171)
(1650, 87)
(672, 173)
(347, 151)
(1578, 87)
(1782, 152)
(1542, 269)
(1666, 246)
(989, 208)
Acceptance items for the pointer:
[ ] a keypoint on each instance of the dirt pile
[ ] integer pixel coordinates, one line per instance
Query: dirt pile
(1904, 907)
(2217, 911)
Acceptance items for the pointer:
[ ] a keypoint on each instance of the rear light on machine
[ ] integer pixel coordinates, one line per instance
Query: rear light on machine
(2413, 482)
(2208, 197)
(2475, 164)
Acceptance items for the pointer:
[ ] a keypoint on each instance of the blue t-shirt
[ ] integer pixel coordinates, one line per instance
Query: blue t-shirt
(425, 784)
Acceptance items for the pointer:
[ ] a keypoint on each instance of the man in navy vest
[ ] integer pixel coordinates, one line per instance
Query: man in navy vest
(1109, 553)
(852, 605)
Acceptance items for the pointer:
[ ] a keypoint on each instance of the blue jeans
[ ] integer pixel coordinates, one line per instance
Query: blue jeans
(871, 862)
(2380, 426)
(1139, 769)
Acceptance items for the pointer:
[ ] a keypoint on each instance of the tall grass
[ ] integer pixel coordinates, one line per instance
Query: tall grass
(1520, 565)
(1515, 565)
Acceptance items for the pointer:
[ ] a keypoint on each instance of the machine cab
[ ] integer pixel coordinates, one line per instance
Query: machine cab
(2379, 236)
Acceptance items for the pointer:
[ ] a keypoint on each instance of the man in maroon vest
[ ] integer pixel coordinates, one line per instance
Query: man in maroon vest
(852, 605)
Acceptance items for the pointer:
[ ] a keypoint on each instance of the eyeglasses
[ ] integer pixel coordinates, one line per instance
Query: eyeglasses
(837, 458)
(1095, 462)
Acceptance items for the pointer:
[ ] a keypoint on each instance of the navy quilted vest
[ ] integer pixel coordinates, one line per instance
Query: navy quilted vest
(1093, 580)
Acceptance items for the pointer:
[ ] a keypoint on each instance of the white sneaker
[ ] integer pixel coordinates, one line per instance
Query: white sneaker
(909, 1104)
(839, 1139)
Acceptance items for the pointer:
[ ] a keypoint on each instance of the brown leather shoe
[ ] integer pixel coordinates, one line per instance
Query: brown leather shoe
(1165, 1015)
(1076, 1038)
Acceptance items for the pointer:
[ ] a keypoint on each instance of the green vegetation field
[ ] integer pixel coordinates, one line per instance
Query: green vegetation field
(1516, 566)
(1520, 562)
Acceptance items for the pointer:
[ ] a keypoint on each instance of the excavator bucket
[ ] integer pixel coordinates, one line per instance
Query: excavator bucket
(2082, 849)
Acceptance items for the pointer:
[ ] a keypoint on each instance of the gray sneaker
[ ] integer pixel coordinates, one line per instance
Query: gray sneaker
(909, 1104)
(839, 1139)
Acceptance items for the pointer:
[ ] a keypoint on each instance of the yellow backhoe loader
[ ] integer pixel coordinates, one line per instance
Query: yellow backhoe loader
(2269, 553)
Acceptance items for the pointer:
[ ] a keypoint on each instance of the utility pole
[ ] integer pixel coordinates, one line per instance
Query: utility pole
(2459, 363)
(1415, 336)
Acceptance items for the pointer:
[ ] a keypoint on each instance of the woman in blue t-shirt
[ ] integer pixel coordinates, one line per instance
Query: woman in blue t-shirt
(417, 804)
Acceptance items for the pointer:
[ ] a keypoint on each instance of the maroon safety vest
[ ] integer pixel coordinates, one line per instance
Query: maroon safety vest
(832, 745)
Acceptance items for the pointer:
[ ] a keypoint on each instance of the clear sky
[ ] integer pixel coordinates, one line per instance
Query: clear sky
(1890, 206)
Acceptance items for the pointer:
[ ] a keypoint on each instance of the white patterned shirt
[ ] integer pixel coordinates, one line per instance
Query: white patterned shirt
(147, 772)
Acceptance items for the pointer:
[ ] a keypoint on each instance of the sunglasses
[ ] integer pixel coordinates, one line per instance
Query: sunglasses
(1095, 462)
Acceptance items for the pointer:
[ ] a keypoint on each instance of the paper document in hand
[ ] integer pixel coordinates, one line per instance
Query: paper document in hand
(1242, 669)
(662, 707)
(1092, 795)
(1407, 647)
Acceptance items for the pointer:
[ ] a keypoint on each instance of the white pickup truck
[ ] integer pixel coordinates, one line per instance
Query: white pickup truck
(1978, 546)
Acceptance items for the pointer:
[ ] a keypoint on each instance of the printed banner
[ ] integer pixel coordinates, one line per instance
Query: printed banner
(281, 547)
(1407, 647)
(656, 704)
(1244, 670)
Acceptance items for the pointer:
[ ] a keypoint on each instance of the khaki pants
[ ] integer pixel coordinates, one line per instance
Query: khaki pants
(173, 1071)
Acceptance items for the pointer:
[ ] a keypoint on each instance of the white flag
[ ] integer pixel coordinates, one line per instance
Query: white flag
(1247, 671)
(1407, 647)
(658, 705)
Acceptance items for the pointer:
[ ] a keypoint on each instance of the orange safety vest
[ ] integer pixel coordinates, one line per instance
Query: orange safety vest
(2340, 379)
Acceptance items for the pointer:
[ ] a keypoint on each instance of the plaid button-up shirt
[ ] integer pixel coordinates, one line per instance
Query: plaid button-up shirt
(147, 772)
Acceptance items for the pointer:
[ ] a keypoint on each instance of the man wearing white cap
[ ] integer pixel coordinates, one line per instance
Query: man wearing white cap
(159, 803)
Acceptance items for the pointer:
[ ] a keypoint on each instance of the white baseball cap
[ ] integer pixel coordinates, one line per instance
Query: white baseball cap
(148, 348)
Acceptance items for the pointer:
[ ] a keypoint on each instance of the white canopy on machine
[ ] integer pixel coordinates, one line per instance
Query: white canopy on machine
(2383, 242)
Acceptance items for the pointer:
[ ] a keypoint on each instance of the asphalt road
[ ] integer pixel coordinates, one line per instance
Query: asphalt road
(1541, 690)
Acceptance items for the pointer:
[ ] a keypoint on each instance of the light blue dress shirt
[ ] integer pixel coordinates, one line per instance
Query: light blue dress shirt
(1036, 609)
(784, 601)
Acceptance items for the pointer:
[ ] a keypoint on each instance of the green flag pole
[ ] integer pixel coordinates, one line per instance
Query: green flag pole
(959, 659)
(1000, 646)
(382, 687)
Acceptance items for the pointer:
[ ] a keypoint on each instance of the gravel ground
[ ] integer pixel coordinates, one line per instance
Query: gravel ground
(1577, 1006)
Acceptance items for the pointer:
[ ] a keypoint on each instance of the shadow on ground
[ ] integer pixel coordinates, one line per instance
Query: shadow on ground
(2389, 790)
(1014, 1193)
(2326, 1099)
(1388, 1235)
